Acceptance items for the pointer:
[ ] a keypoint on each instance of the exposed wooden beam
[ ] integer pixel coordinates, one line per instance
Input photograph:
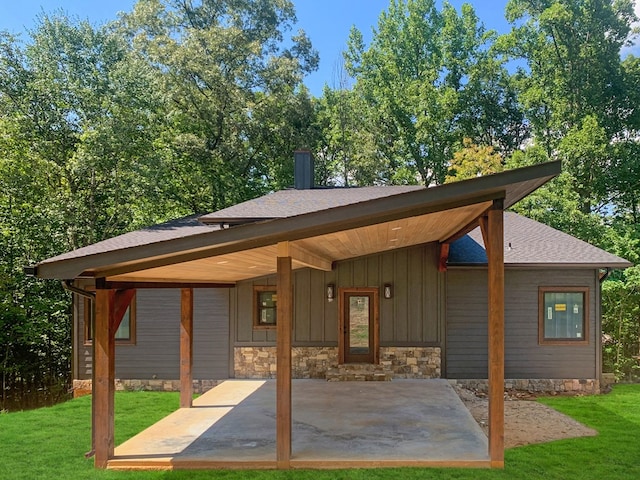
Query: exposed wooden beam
(309, 259)
(462, 232)
(493, 229)
(103, 385)
(484, 229)
(443, 257)
(121, 302)
(186, 348)
(283, 355)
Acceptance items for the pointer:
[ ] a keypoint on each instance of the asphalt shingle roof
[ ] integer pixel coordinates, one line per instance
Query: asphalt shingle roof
(181, 227)
(289, 203)
(528, 242)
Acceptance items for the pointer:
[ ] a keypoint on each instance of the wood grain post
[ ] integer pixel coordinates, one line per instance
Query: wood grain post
(186, 348)
(104, 384)
(495, 253)
(283, 371)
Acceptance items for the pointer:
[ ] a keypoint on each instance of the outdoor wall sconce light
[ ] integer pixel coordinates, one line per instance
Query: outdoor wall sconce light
(331, 292)
(388, 290)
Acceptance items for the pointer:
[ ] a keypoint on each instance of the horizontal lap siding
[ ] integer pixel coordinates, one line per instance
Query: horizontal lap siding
(466, 312)
(156, 353)
(527, 359)
(411, 317)
(210, 334)
(524, 357)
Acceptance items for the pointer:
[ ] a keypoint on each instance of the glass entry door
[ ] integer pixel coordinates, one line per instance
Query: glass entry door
(359, 325)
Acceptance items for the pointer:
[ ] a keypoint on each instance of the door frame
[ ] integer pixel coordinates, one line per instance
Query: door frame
(374, 323)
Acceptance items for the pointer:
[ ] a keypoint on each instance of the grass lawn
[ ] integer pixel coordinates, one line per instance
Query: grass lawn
(49, 443)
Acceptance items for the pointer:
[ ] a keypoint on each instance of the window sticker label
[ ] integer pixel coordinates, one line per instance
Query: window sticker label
(561, 307)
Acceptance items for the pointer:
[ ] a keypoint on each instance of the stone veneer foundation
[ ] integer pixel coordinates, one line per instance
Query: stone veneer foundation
(537, 385)
(313, 362)
(412, 362)
(83, 387)
(306, 362)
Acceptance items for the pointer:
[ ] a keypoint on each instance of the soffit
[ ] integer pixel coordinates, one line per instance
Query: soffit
(331, 247)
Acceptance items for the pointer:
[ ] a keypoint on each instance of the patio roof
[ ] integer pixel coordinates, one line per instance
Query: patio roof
(189, 251)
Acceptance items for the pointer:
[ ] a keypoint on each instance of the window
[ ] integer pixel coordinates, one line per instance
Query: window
(564, 314)
(265, 311)
(126, 333)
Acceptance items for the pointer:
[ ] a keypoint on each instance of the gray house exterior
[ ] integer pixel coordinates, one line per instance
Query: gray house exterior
(370, 283)
(434, 325)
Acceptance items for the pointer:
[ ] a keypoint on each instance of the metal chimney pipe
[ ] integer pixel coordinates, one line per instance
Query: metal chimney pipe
(303, 170)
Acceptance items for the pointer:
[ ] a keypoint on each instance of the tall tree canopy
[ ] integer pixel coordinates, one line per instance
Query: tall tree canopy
(178, 107)
(576, 89)
(428, 79)
(230, 86)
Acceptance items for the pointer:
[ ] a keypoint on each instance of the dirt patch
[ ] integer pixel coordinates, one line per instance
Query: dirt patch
(525, 420)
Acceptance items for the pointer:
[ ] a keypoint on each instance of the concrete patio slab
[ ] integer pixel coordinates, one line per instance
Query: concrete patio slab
(404, 422)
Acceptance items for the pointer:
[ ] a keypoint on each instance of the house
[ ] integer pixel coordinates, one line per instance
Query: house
(306, 282)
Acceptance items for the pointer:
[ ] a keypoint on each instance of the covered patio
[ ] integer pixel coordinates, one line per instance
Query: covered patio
(336, 424)
(221, 254)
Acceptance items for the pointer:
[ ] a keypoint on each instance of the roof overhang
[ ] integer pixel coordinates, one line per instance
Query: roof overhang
(315, 239)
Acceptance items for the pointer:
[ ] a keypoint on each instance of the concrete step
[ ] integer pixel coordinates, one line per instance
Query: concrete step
(359, 372)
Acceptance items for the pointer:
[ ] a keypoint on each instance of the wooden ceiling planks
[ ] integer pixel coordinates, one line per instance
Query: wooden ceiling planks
(342, 245)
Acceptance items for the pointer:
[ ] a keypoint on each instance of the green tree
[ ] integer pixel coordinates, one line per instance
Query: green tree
(224, 71)
(473, 161)
(621, 325)
(572, 50)
(428, 79)
(348, 149)
(586, 153)
(75, 126)
(76, 97)
(577, 93)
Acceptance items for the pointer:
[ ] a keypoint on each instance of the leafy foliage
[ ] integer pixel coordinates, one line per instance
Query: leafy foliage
(429, 79)
(621, 321)
(229, 94)
(473, 161)
(177, 108)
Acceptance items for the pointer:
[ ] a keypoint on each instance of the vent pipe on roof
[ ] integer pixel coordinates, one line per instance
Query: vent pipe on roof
(303, 170)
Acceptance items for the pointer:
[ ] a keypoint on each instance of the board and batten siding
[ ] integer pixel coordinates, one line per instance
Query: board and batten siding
(466, 347)
(156, 353)
(411, 318)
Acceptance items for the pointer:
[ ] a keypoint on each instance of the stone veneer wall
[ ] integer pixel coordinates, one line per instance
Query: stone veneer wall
(538, 385)
(412, 362)
(306, 362)
(83, 387)
(313, 362)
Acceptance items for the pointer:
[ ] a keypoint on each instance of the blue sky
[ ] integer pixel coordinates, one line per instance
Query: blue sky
(327, 22)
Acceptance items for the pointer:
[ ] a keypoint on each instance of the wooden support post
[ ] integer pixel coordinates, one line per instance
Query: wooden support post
(283, 353)
(494, 242)
(186, 348)
(104, 378)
